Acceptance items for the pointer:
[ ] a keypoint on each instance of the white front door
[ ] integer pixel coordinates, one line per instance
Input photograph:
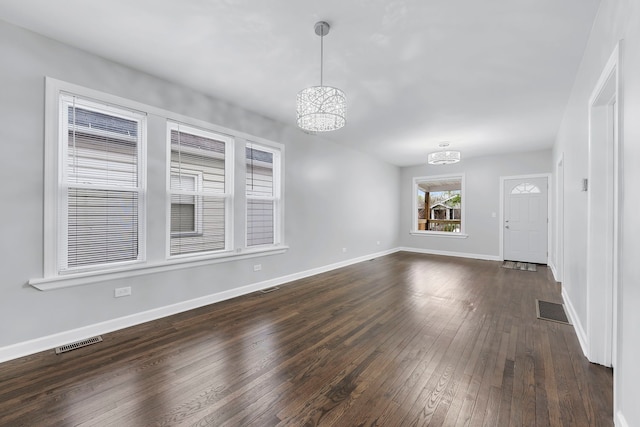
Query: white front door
(525, 220)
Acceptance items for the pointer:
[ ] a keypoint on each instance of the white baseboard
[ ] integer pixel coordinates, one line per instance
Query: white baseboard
(620, 420)
(554, 271)
(575, 320)
(454, 254)
(37, 345)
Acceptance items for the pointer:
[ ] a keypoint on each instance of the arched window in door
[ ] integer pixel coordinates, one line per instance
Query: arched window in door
(525, 188)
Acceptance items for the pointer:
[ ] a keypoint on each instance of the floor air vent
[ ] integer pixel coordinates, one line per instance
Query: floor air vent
(266, 291)
(551, 311)
(78, 344)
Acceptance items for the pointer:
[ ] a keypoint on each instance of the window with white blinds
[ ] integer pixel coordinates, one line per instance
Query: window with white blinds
(199, 191)
(100, 212)
(97, 220)
(262, 194)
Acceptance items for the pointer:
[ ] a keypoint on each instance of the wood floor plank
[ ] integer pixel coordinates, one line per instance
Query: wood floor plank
(405, 339)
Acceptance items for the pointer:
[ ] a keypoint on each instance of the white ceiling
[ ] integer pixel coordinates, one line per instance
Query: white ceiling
(489, 76)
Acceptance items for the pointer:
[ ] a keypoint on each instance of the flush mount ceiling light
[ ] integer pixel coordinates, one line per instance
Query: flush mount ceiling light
(444, 157)
(321, 108)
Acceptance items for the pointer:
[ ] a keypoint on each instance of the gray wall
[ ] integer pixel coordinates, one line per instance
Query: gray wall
(335, 197)
(482, 198)
(616, 20)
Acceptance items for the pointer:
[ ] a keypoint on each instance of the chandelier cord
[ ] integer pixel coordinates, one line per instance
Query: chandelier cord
(321, 55)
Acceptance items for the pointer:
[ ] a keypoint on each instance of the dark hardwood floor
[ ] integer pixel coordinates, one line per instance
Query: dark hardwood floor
(405, 339)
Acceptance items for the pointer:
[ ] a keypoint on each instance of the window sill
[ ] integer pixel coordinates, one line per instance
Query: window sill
(445, 234)
(78, 279)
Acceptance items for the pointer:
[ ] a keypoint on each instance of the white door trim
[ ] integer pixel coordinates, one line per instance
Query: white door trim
(502, 196)
(605, 112)
(557, 261)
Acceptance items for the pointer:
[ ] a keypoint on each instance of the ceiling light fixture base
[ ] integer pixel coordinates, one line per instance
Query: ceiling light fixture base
(322, 28)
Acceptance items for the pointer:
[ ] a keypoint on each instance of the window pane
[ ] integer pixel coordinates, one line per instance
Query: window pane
(183, 182)
(102, 227)
(198, 169)
(99, 223)
(259, 185)
(211, 235)
(183, 215)
(439, 204)
(183, 206)
(198, 154)
(259, 178)
(259, 222)
(525, 188)
(102, 150)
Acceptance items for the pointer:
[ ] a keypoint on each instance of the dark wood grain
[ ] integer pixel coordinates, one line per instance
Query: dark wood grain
(405, 339)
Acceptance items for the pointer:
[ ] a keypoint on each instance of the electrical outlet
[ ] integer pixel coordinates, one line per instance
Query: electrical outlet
(344, 250)
(122, 292)
(257, 267)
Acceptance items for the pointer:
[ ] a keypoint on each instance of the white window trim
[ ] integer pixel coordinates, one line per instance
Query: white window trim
(55, 237)
(50, 279)
(276, 151)
(414, 219)
(60, 282)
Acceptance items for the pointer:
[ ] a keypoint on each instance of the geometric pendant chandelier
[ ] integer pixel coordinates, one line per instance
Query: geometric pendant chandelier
(321, 108)
(444, 157)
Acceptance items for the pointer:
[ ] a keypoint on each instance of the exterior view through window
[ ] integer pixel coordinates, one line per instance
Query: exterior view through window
(439, 204)
(197, 191)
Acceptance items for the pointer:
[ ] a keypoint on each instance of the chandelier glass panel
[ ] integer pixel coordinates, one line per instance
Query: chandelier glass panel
(321, 108)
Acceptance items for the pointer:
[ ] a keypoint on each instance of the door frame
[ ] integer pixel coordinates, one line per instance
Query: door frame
(502, 200)
(557, 261)
(605, 109)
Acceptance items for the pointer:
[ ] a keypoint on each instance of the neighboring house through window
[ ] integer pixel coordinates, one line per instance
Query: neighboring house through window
(186, 209)
(438, 204)
(199, 193)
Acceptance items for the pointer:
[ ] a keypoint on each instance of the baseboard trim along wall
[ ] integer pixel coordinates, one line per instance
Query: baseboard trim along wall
(552, 267)
(37, 345)
(575, 320)
(454, 254)
(620, 420)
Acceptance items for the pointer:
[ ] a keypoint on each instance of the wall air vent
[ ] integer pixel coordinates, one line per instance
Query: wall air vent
(78, 344)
